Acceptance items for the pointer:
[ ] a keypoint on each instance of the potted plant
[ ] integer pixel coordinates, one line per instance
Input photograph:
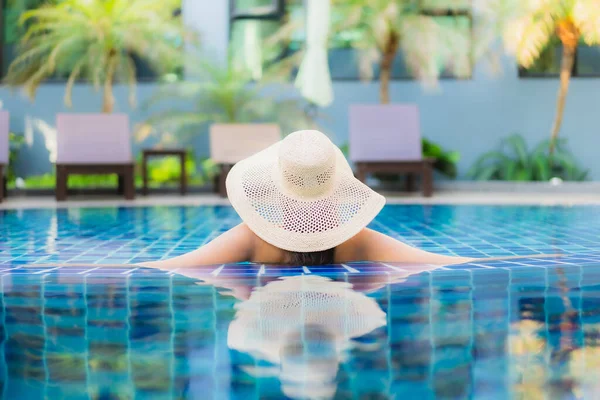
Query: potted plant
(445, 161)
(513, 161)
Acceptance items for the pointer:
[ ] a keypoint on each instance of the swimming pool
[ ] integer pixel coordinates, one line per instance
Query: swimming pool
(522, 328)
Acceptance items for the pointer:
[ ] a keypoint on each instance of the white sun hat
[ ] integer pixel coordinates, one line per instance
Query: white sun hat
(300, 194)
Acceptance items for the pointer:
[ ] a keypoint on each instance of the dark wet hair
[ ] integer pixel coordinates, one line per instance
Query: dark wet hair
(312, 258)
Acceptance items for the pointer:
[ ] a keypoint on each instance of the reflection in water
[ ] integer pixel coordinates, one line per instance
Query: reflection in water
(521, 333)
(555, 355)
(303, 325)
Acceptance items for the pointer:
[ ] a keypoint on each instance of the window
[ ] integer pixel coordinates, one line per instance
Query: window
(587, 62)
(252, 21)
(257, 9)
(12, 31)
(456, 14)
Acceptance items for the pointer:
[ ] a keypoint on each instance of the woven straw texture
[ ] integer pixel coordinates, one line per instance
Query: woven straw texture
(301, 195)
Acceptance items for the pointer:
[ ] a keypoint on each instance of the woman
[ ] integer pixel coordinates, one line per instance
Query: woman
(301, 205)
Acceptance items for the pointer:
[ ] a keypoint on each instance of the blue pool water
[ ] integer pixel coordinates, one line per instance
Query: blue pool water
(527, 328)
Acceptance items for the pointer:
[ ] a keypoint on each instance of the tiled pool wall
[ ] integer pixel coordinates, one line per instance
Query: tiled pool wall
(447, 333)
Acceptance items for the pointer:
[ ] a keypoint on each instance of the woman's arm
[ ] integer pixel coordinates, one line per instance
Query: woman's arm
(235, 245)
(382, 248)
(379, 247)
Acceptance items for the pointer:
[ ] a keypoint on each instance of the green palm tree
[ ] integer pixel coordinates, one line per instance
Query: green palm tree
(228, 94)
(528, 27)
(96, 40)
(430, 42)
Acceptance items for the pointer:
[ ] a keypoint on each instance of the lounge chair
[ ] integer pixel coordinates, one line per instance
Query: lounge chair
(94, 144)
(230, 143)
(387, 139)
(4, 151)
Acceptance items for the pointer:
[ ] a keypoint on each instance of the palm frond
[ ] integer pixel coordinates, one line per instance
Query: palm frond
(280, 71)
(485, 162)
(433, 45)
(34, 80)
(528, 35)
(522, 174)
(130, 77)
(586, 16)
(514, 163)
(542, 168)
(71, 82)
(40, 29)
(177, 91)
(75, 38)
(566, 168)
(227, 94)
(508, 170)
(27, 56)
(363, 26)
(48, 14)
(516, 143)
(384, 24)
(61, 47)
(525, 26)
(485, 174)
(178, 120)
(96, 64)
(367, 58)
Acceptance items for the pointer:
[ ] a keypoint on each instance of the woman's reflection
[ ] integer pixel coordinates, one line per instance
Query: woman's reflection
(300, 329)
(303, 326)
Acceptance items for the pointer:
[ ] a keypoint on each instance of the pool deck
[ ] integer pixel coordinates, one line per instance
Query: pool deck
(460, 197)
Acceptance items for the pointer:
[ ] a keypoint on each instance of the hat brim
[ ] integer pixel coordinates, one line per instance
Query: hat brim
(353, 204)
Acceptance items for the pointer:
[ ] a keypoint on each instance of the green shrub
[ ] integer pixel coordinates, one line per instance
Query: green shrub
(48, 181)
(162, 172)
(15, 142)
(445, 160)
(514, 162)
(165, 170)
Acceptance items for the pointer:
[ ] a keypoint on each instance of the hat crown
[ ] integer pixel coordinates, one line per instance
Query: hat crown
(307, 162)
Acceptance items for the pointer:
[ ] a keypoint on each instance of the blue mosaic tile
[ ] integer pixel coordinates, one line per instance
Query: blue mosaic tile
(460, 331)
(114, 235)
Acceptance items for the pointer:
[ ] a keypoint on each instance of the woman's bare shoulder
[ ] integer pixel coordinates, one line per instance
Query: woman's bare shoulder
(354, 249)
(265, 253)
